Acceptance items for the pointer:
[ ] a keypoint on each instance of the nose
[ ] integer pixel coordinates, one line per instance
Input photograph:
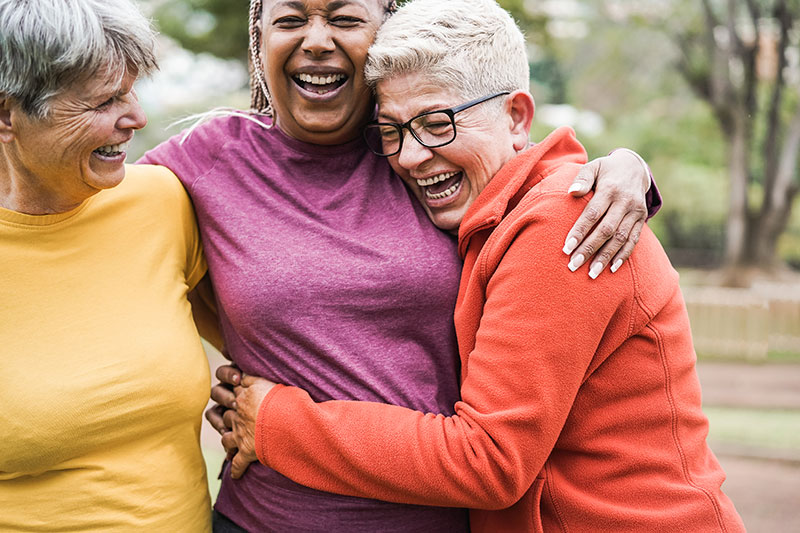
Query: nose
(318, 39)
(133, 117)
(412, 153)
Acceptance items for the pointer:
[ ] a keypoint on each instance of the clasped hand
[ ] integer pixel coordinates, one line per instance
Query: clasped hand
(238, 399)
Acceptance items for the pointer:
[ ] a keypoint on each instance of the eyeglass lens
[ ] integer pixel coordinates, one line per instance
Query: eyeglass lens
(431, 130)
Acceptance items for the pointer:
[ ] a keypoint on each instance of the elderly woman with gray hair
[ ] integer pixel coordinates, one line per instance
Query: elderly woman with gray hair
(600, 430)
(96, 260)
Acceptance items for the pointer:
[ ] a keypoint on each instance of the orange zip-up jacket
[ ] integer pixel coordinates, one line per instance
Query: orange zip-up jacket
(580, 407)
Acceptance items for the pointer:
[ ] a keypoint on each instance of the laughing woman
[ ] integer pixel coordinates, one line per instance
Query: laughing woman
(580, 405)
(96, 260)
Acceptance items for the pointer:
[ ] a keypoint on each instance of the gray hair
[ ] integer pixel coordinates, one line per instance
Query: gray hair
(471, 46)
(48, 46)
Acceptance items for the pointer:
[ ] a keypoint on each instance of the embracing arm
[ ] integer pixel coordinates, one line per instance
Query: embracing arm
(530, 357)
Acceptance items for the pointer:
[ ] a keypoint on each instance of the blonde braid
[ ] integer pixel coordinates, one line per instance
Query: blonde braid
(260, 101)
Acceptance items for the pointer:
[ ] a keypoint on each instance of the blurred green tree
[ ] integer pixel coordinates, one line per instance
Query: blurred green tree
(737, 55)
(218, 27)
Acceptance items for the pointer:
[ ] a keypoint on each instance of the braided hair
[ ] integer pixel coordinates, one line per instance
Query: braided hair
(260, 100)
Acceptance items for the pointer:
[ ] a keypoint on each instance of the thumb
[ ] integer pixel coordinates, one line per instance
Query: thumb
(584, 180)
(238, 466)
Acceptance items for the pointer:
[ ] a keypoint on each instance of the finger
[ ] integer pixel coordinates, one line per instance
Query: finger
(604, 255)
(597, 238)
(238, 466)
(214, 417)
(584, 180)
(594, 211)
(229, 443)
(249, 381)
(222, 395)
(627, 249)
(229, 374)
(229, 417)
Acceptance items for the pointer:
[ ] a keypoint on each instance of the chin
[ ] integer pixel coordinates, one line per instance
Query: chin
(446, 223)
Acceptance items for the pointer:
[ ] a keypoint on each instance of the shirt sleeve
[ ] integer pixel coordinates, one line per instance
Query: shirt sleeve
(539, 332)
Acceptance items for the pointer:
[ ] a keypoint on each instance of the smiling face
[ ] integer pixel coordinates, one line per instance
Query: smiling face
(446, 180)
(79, 148)
(314, 52)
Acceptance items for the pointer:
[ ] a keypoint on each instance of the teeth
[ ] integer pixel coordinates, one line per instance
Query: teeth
(113, 148)
(320, 80)
(436, 179)
(443, 194)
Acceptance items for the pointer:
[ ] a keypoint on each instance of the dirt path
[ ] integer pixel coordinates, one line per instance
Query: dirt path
(766, 491)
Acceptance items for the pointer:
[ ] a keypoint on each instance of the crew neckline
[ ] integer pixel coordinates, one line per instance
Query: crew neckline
(23, 219)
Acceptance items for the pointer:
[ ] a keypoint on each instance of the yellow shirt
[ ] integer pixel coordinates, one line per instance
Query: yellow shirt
(104, 378)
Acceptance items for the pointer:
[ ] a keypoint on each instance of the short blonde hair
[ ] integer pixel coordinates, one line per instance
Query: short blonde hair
(471, 46)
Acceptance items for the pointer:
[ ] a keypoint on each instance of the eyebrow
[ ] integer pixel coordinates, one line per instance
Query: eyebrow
(299, 5)
(428, 109)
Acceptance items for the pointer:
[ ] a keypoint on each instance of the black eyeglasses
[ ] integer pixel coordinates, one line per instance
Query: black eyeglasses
(431, 129)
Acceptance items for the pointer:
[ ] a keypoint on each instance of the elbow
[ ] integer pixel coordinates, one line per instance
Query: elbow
(503, 492)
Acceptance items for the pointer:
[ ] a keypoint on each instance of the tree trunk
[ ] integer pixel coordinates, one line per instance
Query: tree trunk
(777, 205)
(738, 220)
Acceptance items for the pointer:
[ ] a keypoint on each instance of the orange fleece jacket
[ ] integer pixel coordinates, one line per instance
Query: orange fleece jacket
(580, 404)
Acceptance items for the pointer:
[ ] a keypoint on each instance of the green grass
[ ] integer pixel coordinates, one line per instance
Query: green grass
(771, 428)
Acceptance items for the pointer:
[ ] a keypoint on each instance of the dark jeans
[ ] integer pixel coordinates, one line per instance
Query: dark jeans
(222, 524)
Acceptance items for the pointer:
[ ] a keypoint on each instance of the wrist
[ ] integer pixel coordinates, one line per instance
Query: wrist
(641, 160)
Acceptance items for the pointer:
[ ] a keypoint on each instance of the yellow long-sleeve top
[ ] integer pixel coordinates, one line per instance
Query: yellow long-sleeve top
(104, 377)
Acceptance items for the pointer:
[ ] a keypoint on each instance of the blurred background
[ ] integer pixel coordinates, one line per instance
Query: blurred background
(708, 92)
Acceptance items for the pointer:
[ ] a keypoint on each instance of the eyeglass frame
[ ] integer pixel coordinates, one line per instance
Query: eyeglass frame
(450, 112)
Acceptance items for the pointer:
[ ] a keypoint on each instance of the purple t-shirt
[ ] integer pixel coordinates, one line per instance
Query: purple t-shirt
(329, 276)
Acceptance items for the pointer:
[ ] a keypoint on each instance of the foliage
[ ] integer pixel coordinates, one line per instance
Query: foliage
(218, 27)
(737, 57)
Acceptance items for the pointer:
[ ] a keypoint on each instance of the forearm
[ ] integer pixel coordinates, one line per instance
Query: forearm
(392, 453)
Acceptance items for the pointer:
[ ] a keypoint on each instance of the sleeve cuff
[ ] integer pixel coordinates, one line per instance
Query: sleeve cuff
(262, 423)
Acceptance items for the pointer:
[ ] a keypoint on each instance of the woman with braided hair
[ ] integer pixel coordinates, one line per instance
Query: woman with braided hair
(327, 273)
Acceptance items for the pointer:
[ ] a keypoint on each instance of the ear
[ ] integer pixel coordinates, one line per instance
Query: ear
(520, 107)
(6, 130)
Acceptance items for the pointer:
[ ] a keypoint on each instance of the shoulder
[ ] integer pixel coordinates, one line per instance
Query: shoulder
(150, 178)
(194, 151)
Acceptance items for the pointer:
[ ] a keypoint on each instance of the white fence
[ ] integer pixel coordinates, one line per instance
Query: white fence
(745, 323)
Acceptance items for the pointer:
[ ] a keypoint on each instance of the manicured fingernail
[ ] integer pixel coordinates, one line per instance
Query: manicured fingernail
(616, 265)
(595, 270)
(576, 262)
(572, 242)
(574, 187)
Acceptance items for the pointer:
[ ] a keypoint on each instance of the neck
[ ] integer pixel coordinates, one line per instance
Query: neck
(23, 193)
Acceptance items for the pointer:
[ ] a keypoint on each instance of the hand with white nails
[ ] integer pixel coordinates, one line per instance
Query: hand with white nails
(612, 221)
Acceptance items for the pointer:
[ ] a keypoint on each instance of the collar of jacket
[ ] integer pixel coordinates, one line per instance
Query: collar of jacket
(515, 179)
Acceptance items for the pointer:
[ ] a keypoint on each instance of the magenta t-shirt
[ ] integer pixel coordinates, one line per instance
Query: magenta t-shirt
(330, 277)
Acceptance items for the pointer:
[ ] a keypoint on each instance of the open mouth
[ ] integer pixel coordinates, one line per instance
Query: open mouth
(112, 150)
(442, 185)
(320, 83)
